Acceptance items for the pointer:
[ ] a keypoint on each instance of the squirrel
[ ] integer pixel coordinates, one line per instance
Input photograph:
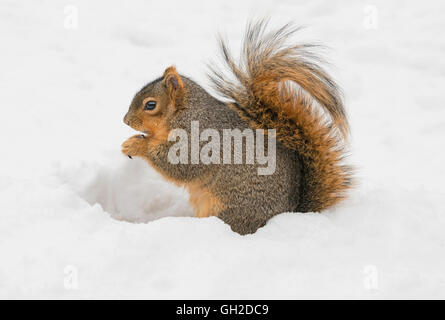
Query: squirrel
(274, 86)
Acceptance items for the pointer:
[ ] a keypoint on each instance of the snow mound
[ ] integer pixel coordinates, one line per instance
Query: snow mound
(130, 192)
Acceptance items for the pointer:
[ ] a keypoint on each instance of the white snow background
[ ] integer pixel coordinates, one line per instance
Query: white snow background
(80, 220)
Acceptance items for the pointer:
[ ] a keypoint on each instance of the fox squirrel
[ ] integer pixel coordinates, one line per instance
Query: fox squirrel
(275, 86)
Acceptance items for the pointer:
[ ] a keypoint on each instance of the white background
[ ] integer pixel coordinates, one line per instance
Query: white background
(70, 202)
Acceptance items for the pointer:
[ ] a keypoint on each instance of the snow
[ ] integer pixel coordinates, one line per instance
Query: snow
(80, 220)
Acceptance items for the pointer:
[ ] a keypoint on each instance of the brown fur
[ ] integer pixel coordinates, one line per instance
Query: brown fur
(204, 202)
(154, 124)
(176, 89)
(265, 98)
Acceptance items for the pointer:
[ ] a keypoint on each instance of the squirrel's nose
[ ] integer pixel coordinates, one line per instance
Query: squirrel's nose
(126, 120)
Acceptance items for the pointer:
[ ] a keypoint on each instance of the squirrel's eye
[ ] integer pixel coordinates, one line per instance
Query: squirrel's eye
(150, 105)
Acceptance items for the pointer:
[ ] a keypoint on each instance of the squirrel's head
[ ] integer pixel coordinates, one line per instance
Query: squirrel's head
(155, 103)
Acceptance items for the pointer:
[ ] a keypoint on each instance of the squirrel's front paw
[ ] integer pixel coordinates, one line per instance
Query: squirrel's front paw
(135, 146)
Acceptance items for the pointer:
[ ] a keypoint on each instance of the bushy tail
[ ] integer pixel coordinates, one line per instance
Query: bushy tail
(282, 87)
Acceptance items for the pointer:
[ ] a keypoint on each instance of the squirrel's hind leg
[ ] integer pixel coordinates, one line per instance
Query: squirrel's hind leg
(243, 220)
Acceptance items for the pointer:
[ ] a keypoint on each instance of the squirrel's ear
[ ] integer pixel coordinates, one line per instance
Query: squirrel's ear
(172, 79)
(174, 85)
